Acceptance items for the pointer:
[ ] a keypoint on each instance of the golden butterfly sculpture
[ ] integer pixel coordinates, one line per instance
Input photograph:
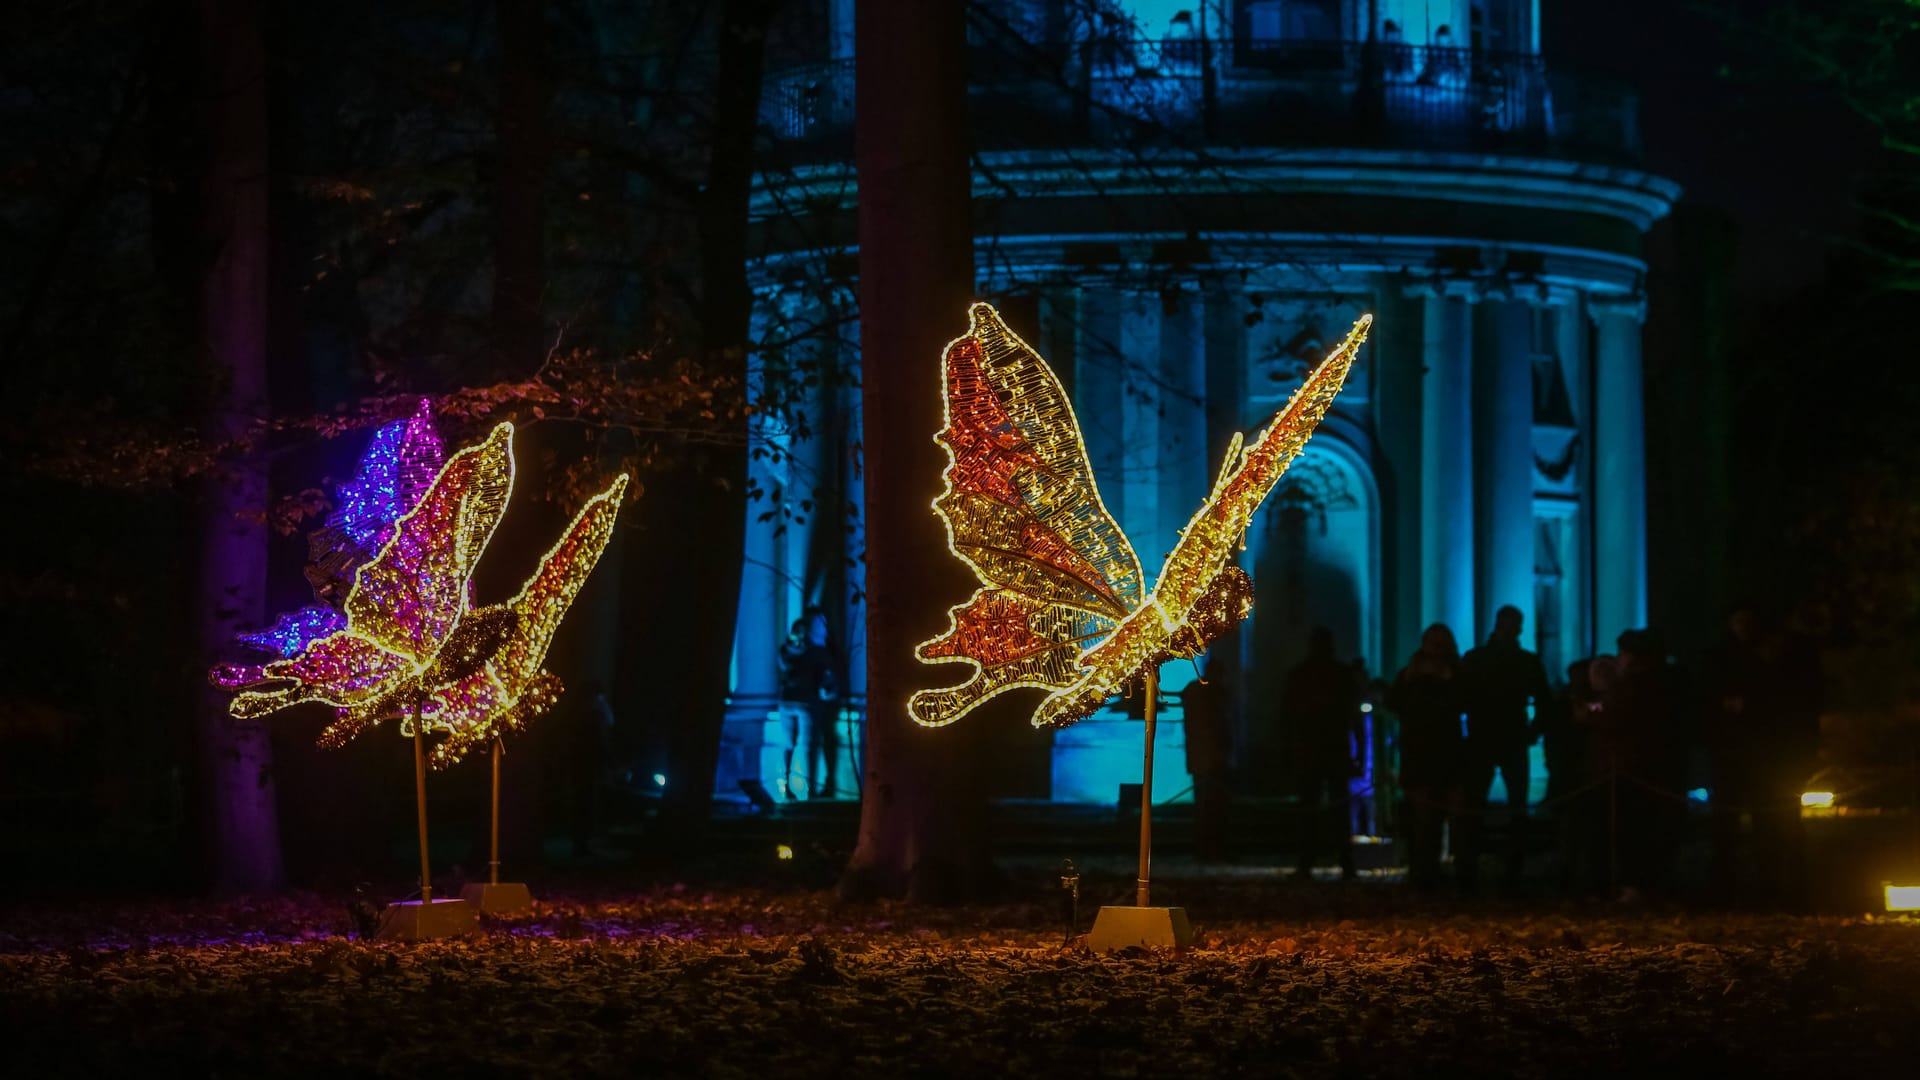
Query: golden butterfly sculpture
(413, 646)
(1060, 605)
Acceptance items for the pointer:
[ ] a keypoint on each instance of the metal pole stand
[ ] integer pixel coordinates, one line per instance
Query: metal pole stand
(492, 897)
(1142, 926)
(425, 918)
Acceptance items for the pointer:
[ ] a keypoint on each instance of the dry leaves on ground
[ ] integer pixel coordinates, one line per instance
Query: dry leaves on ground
(679, 982)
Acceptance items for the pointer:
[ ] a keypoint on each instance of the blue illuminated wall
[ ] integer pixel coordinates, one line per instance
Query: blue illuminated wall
(1488, 447)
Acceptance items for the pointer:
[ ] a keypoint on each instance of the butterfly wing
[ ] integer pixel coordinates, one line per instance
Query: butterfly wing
(1022, 510)
(399, 465)
(511, 687)
(409, 600)
(1200, 593)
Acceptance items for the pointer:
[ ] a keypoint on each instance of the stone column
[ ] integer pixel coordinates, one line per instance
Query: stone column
(757, 632)
(1143, 451)
(1098, 392)
(1619, 496)
(840, 29)
(1446, 459)
(1503, 459)
(1224, 359)
(1186, 463)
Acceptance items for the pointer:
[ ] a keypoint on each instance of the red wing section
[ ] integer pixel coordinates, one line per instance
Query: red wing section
(1022, 510)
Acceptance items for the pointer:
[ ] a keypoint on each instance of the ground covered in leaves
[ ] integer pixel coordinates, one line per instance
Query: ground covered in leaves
(680, 981)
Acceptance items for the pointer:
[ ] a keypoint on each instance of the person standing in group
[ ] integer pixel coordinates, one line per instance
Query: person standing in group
(1204, 710)
(809, 700)
(1579, 803)
(1503, 682)
(1321, 700)
(1426, 699)
(1646, 752)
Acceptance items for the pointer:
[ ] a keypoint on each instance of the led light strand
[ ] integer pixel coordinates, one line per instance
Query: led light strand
(398, 465)
(406, 604)
(1021, 508)
(510, 688)
(410, 646)
(1060, 607)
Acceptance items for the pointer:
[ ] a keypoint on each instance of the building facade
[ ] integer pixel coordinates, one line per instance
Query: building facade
(1183, 205)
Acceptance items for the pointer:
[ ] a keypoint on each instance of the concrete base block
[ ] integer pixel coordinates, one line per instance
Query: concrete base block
(503, 898)
(1140, 927)
(412, 920)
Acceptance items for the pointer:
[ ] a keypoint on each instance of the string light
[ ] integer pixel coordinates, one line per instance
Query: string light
(410, 646)
(1021, 508)
(509, 688)
(291, 632)
(399, 464)
(405, 605)
(1060, 605)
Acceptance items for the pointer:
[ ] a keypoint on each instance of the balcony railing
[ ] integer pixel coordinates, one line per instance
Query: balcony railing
(1246, 92)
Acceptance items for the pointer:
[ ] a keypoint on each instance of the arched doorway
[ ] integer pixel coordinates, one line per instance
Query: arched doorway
(1314, 556)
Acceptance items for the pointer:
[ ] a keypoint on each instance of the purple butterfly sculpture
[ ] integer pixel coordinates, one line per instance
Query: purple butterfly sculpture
(397, 468)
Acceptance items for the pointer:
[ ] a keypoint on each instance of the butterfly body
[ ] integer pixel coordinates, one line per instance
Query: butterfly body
(1061, 605)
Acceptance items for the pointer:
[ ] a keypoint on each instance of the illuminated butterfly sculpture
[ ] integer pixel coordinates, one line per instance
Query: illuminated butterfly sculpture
(1061, 604)
(411, 645)
(400, 463)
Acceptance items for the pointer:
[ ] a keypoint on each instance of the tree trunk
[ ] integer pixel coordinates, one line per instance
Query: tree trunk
(519, 198)
(922, 818)
(241, 822)
(705, 539)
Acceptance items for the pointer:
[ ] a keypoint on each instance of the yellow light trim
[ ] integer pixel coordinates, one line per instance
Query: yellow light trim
(387, 646)
(1903, 897)
(1017, 411)
(414, 645)
(1045, 400)
(1816, 800)
(1205, 552)
(511, 688)
(783, 853)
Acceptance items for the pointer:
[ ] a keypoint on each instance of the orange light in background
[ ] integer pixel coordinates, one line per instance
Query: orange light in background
(1903, 897)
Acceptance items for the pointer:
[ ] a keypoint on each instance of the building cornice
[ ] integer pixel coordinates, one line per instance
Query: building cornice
(1628, 195)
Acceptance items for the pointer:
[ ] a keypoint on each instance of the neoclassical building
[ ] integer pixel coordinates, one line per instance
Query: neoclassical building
(1183, 211)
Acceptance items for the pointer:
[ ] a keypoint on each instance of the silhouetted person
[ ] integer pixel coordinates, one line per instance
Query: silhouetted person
(1444, 64)
(1426, 699)
(1762, 739)
(1399, 57)
(1645, 752)
(1579, 805)
(1501, 680)
(1321, 700)
(1204, 705)
(809, 699)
